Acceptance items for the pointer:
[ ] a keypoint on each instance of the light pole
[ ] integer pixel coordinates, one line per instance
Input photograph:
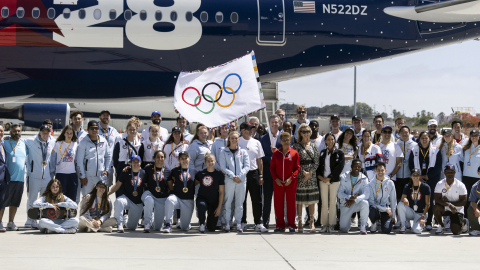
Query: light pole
(391, 111)
(354, 90)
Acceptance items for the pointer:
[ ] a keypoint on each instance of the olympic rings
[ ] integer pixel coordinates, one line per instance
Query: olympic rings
(218, 95)
(213, 104)
(233, 99)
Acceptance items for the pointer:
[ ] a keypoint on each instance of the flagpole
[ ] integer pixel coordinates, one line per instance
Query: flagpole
(272, 143)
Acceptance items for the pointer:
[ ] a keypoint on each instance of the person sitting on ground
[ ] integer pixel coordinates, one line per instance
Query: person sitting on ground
(96, 210)
(53, 197)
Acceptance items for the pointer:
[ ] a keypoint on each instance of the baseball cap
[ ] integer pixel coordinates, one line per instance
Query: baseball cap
(335, 116)
(105, 111)
(136, 157)
(449, 167)
(175, 128)
(183, 153)
(416, 171)
(246, 125)
(356, 117)
(156, 112)
(474, 132)
(447, 131)
(387, 127)
(47, 122)
(92, 123)
(43, 127)
(432, 122)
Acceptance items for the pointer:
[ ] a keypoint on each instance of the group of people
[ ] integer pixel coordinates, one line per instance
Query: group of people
(160, 179)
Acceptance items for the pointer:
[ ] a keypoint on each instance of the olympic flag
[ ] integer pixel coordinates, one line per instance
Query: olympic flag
(220, 94)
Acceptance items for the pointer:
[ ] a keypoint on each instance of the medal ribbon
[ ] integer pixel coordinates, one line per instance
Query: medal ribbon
(447, 188)
(135, 180)
(185, 177)
(98, 207)
(155, 175)
(471, 154)
(63, 151)
(415, 194)
(12, 146)
(44, 151)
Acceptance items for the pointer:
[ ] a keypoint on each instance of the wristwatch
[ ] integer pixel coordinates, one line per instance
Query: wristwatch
(260, 175)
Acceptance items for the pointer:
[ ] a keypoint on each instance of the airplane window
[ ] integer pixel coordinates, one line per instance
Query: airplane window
(143, 15)
(51, 13)
(128, 14)
(219, 17)
(113, 14)
(66, 13)
(173, 16)
(204, 16)
(97, 14)
(234, 17)
(189, 16)
(35, 12)
(20, 12)
(82, 14)
(158, 15)
(5, 12)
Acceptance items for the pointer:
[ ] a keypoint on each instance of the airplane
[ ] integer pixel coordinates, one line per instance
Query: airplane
(94, 53)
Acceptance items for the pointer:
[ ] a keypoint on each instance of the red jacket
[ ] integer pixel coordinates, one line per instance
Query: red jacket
(284, 167)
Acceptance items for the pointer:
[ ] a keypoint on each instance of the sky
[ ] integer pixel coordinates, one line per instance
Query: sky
(433, 80)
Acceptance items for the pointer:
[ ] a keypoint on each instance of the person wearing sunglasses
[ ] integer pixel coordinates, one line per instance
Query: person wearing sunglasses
(301, 119)
(378, 122)
(93, 159)
(428, 159)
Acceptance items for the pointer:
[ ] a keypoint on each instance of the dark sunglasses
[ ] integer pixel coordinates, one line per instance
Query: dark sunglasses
(387, 132)
(286, 140)
(304, 131)
(300, 112)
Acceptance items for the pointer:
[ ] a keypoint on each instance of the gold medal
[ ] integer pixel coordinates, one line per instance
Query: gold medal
(135, 194)
(158, 189)
(44, 163)
(185, 190)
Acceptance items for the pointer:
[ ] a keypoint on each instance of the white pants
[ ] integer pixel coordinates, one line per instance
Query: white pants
(405, 213)
(92, 181)
(186, 211)
(150, 203)
(35, 187)
(237, 192)
(57, 225)
(85, 223)
(329, 202)
(134, 211)
(346, 215)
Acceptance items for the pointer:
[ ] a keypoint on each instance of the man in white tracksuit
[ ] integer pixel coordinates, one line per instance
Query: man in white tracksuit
(39, 149)
(353, 194)
(93, 159)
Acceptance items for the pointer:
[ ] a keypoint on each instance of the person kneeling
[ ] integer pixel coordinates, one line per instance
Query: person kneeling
(414, 203)
(450, 198)
(54, 198)
(132, 182)
(182, 185)
(96, 210)
(382, 200)
(210, 194)
(353, 194)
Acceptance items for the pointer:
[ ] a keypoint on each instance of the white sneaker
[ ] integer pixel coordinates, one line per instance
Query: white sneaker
(261, 228)
(34, 225)
(331, 229)
(108, 229)
(363, 230)
(178, 224)
(168, 228)
(440, 230)
(466, 226)
(352, 222)
(202, 228)
(146, 228)
(227, 227)
(28, 223)
(125, 220)
(373, 228)
(11, 226)
(2, 229)
(474, 232)
(71, 231)
(239, 228)
(120, 229)
(323, 229)
(244, 227)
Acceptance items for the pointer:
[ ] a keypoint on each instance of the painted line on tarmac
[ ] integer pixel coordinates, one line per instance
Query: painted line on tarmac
(277, 252)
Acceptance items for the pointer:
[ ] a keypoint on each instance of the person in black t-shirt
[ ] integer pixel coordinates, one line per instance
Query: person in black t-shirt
(156, 191)
(132, 183)
(414, 203)
(182, 186)
(210, 194)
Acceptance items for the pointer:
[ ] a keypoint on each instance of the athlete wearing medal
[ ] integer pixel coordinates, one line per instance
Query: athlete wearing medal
(450, 199)
(414, 204)
(132, 182)
(110, 134)
(353, 194)
(156, 192)
(150, 146)
(182, 186)
(96, 209)
(63, 155)
(428, 159)
(39, 174)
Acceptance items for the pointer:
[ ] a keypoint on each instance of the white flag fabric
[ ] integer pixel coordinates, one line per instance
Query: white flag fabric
(220, 95)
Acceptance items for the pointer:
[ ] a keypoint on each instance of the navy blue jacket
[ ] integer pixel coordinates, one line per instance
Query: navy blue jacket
(4, 174)
(433, 173)
(265, 141)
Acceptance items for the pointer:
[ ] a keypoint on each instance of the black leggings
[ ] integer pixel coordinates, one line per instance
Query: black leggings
(203, 206)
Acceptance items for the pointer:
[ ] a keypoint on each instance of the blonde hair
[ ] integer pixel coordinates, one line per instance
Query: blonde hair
(303, 126)
(230, 135)
(199, 126)
(154, 127)
(208, 155)
(135, 120)
(301, 107)
(451, 144)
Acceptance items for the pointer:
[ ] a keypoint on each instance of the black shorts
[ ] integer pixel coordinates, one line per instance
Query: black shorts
(456, 218)
(13, 196)
(399, 185)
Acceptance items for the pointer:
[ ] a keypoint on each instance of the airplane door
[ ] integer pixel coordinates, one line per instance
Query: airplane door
(271, 21)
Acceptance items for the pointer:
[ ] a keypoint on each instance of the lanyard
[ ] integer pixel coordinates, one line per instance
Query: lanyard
(471, 154)
(364, 151)
(155, 174)
(385, 145)
(446, 153)
(404, 149)
(379, 187)
(12, 146)
(106, 133)
(135, 180)
(424, 155)
(156, 147)
(415, 194)
(446, 187)
(44, 151)
(185, 177)
(172, 154)
(63, 151)
(98, 207)
(344, 148)
(379, 137)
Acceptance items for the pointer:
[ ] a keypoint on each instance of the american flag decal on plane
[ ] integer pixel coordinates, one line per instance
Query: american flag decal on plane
(304, 6)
